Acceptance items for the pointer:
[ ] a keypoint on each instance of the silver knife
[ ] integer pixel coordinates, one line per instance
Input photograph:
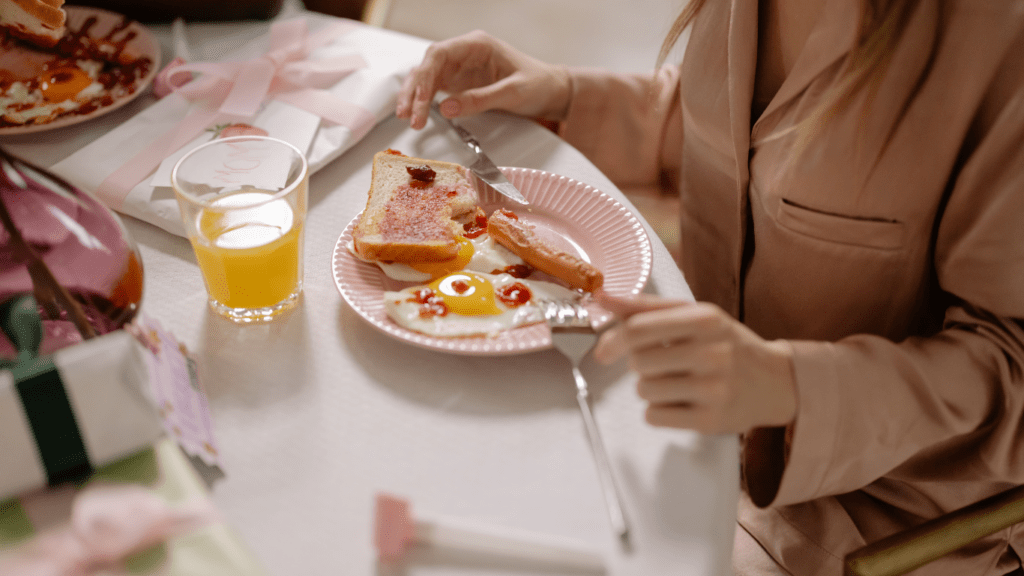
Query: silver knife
(483, 167)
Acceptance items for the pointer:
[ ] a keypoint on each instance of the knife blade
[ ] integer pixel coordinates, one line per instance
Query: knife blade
(483, 167)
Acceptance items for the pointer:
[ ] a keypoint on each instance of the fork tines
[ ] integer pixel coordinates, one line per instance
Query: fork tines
(563, 313)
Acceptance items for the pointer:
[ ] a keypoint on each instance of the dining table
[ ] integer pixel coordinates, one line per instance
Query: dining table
(318, 411)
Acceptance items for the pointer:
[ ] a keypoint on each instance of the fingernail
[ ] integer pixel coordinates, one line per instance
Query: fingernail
(451, 107)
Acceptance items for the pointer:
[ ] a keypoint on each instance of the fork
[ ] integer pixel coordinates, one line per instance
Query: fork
(573, 335)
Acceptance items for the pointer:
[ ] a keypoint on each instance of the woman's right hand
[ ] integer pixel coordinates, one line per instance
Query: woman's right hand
(480, 72)
(699, 368)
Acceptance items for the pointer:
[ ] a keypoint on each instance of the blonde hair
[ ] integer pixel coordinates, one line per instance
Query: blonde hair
(881, 25)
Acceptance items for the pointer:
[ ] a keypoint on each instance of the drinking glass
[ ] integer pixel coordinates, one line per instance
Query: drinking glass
(243, 200)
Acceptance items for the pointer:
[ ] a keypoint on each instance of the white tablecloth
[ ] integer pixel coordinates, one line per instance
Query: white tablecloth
(318, 411)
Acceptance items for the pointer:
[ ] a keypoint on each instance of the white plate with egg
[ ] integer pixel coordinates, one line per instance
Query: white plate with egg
(44, 83)
(574, 216)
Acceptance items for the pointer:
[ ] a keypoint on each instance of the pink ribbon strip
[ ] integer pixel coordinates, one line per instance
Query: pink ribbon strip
(108, 524)
(234, 91)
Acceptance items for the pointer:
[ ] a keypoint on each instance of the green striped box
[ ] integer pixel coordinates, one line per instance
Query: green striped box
(64, 415)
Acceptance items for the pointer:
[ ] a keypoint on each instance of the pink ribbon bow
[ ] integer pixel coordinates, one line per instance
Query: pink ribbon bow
(108, 524)
(235, 90)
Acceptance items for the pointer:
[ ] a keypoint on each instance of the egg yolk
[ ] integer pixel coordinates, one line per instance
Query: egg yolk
(467, 294)
(63, 83)
(437, 269)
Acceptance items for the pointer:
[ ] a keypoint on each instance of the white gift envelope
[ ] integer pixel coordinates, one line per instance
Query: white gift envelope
(278, 119)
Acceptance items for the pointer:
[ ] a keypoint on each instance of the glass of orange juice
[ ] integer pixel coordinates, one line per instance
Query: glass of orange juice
(243, 200)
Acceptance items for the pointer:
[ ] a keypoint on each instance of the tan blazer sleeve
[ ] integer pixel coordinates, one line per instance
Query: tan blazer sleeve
(629, 126)
(949, 407)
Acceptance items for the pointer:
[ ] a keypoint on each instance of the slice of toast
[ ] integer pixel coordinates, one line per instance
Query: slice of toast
(39, 22)
(412, 212)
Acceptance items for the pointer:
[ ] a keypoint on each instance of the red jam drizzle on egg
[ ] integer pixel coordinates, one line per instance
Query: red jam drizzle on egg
(514, 295)
(475, 227)
(431, 304)
(516, 271)
(467, 294)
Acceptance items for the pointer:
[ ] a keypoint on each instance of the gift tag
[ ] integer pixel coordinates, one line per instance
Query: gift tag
(277, 119)
(178, 390)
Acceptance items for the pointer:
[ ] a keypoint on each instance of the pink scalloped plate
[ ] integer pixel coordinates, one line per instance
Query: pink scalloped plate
(577, 217)
(143, 44)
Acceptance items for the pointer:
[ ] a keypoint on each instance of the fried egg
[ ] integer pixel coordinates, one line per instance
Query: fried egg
(480, 254)
(55, 92)
(472, 304)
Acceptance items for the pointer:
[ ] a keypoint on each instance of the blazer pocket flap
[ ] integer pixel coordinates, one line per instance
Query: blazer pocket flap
(853, 230)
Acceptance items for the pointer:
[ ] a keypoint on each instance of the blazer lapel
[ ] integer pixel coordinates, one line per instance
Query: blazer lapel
(832, 37)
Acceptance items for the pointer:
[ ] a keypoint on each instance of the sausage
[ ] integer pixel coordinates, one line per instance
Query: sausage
(506, 229)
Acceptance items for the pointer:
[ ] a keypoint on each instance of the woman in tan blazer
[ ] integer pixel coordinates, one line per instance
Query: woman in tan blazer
(852, 184)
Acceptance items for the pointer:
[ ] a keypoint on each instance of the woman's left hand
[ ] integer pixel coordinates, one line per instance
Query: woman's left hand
(700, 368)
